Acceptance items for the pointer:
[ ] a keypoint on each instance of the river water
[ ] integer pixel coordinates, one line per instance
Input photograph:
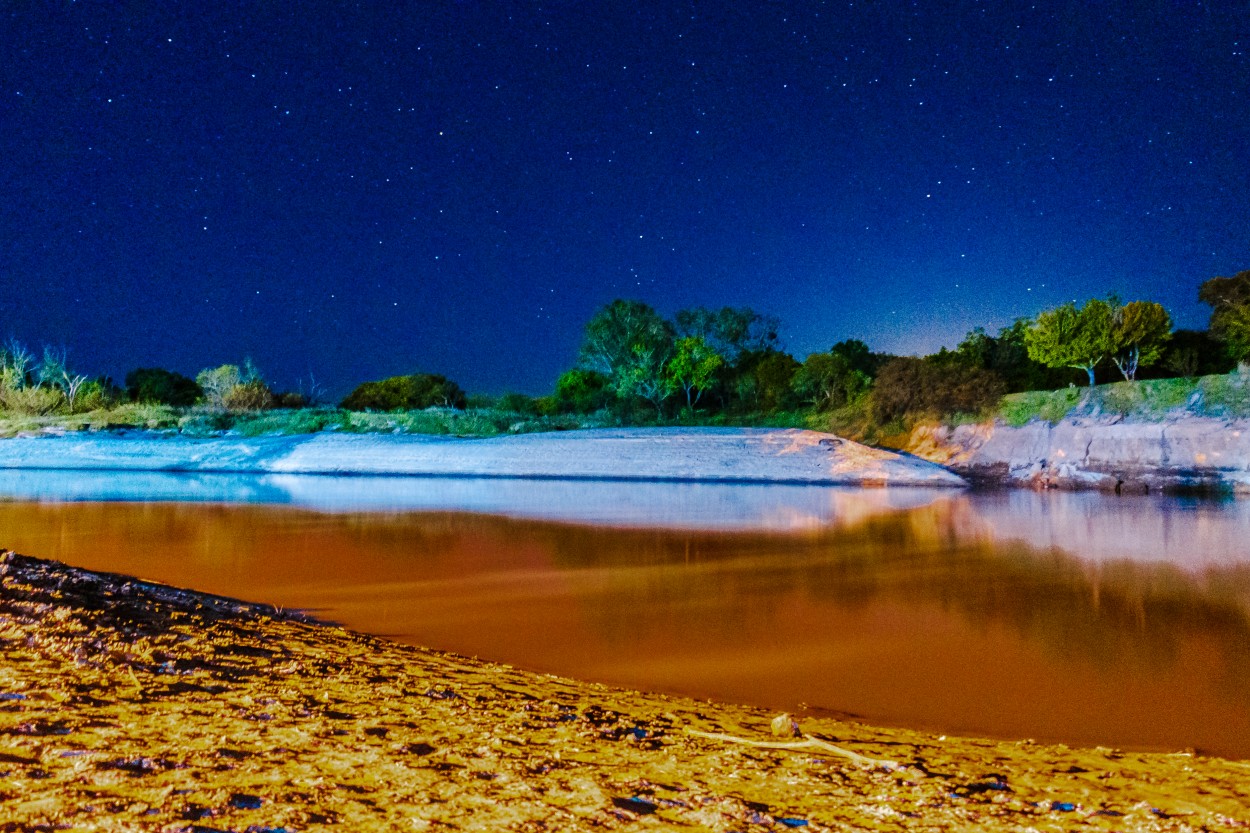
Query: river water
(1082, 618)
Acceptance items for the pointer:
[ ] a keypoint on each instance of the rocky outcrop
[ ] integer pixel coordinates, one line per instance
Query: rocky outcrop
(1185, 453)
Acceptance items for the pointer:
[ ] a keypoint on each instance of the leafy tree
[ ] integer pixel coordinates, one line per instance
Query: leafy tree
(1140, 330)
(829, 380)
(415, 392)
(164, 387)
(861, 358)
(630, 344)
(977, 349)
(730, 331)
(1229, 299)
(766, 379)
(1009, 358)
(1071, 337)
(582, 391)
(692, 368)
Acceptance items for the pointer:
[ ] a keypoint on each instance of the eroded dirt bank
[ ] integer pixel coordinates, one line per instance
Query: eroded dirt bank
(126, 705)
(1186, 453)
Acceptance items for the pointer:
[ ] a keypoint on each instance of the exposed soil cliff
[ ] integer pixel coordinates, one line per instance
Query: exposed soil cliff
(1183, 453)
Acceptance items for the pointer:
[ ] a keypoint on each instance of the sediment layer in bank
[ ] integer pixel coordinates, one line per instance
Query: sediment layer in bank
(126, 705)
(1189, 453)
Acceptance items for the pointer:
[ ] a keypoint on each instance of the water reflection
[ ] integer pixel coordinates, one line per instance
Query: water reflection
(611, 503)
(1071, 617)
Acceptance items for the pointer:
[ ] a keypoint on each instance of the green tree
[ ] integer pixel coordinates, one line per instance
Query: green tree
(693, 367)
(861, 356)
(1070, 337)
(766, 380)
(630, 344)
(415, 392)
(730, 331)
(829, 380)
(1229, 299)
(582, 391)
(1141, 329)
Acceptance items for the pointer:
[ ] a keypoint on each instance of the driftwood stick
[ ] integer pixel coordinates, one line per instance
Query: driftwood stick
(810, 743)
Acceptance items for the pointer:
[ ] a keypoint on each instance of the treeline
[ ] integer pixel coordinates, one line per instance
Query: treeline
(729, 362)
(636, 366)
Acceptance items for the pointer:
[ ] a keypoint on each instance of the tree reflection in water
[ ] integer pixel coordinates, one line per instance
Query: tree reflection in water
(1069, 617)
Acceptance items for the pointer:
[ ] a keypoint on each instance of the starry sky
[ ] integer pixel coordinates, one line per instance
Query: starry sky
(357, 190)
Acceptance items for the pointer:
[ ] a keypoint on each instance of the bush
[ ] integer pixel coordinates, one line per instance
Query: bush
(217, 382)
(291, 400)
(249, 396)
(285, 422)
(162, 387)
(98, 395)
(415, 392)
(518, 403)
(909, 387)
(32, 401)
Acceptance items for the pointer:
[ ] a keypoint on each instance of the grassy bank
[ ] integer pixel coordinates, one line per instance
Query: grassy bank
(469, 422)
(1224, 396)
(128, 706)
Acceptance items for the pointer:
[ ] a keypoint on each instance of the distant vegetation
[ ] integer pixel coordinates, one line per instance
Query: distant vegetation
(708, 367)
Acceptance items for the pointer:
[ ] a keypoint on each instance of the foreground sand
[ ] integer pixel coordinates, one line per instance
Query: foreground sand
(126, 705)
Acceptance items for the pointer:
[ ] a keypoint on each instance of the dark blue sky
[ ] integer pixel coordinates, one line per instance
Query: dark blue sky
(360, 190)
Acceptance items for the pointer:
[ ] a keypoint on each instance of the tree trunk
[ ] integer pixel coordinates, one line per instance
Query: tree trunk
(1090, 370)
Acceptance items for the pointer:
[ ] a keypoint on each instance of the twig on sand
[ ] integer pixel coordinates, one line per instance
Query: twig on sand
(809, 743)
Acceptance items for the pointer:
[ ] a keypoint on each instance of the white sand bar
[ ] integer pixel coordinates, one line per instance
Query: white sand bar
(752, 455)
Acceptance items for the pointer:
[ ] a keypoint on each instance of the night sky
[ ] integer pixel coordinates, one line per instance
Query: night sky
(362, 190)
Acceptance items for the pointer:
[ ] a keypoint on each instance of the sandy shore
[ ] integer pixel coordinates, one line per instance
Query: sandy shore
(720, 455)
(126, 705)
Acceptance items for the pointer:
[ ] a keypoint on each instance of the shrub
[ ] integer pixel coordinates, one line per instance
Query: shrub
(162, 387)
(291, 400)
(249, 396)
(32, 401)
(415, 392)
(518, 403)
(910, 387)
(233, 389)
(97, 395)
(216, 382)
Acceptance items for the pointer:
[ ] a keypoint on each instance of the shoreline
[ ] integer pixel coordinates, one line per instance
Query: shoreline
(714, 455)
(126, 704)
(1181, 455)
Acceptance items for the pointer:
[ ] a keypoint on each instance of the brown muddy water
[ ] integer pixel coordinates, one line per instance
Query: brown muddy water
(1078, 618)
